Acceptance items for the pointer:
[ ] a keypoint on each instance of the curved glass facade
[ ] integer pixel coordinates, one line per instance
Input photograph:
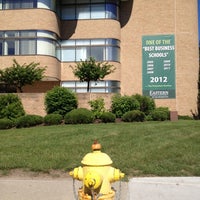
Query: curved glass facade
(33, 42)
(24, 4)
(28, 42)
(69, 10)
(100, 49)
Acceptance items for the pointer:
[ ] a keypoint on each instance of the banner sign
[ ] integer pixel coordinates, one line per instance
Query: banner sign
(158, 66)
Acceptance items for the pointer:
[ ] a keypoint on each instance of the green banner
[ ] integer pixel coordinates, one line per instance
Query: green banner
(158, 66)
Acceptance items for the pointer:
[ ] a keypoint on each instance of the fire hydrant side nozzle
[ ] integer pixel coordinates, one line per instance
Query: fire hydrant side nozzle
(96, 175)
(77, 173)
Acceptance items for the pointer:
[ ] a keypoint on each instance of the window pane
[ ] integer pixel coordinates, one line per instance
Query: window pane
(112, 53)
(97, 11)
(28, 47)
(10, 47)
(68, 12)
(82, 53)
(27, 4)
(98, 53)
(111, 11)
(82, 42)
(98, 42)
(28, 34)
(46, 47)
(49, 4)
(83, 1)
(68, 54)
(68, 1)
(83, 12)
(68, 43)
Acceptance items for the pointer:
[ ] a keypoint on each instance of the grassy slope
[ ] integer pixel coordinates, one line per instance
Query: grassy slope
(139, 149)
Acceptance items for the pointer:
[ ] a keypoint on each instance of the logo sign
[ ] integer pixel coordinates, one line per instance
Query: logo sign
(158, 66)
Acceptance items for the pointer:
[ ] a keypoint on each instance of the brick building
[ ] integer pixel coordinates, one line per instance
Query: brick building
(153, 45)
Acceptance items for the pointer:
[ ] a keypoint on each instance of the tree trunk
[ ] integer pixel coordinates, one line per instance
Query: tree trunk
(88, 86)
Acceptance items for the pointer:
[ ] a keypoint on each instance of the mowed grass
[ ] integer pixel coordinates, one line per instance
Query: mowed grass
(138, 149)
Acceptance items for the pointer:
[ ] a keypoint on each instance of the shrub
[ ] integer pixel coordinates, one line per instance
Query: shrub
(6, 123)
(185, 117)
(133, 116)
(79, 116)
(147, 104)
(160, 114)
(28, 121)
(97, 107)
(122, 104)
(11, 106)
(53, 119)
(60, 100)
(108, 117)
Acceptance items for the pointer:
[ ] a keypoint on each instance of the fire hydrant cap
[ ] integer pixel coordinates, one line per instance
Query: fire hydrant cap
(96, 158)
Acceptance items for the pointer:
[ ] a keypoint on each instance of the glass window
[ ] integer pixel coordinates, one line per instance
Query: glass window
(82, 42)
(48, 4)
(68, 13)
(68, 43)
(82, 53)
(46, 47)
(27, 4)
(11, 47)
(83, 12)
(68, 54)
(97, 87)
(111, 11)
(97, 11)
(1, 47)
(28, 33)
(100, 49)
(27, 47)
(98, 53)
(112, 53)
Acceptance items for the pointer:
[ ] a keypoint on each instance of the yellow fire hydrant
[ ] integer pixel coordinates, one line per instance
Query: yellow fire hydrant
(97, 174)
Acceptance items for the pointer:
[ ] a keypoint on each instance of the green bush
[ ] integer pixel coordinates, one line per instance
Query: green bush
(53, 119)
(79, 116)
(97, 107)
(147, 104)
(11, 106)
(133, 116)
(28, 121)
(60, 100)
(185, 117)
(122, 104)
(160, 114)
(6, 123)
(108, 117)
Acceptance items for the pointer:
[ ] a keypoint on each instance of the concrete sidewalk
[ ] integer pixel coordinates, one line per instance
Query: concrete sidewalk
(154, 188)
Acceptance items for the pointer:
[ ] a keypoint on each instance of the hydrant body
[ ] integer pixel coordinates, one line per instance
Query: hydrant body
(96, 174)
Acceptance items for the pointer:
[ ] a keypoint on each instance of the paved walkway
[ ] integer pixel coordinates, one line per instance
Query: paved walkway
(155, 188)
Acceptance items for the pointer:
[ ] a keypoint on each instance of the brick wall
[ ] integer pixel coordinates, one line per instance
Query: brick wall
(34, 102)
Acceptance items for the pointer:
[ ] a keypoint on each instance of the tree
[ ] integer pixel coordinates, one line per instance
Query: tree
(90, 70)
(20, 75)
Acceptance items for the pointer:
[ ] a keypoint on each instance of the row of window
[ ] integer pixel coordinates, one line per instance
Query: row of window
(24, 4)
(69, 10)
(47, 43)
(96, 87)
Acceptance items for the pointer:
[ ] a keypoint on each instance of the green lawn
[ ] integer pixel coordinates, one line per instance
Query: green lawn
(138, 149)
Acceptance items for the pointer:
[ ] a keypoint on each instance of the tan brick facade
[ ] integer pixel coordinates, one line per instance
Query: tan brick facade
(137, 18)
